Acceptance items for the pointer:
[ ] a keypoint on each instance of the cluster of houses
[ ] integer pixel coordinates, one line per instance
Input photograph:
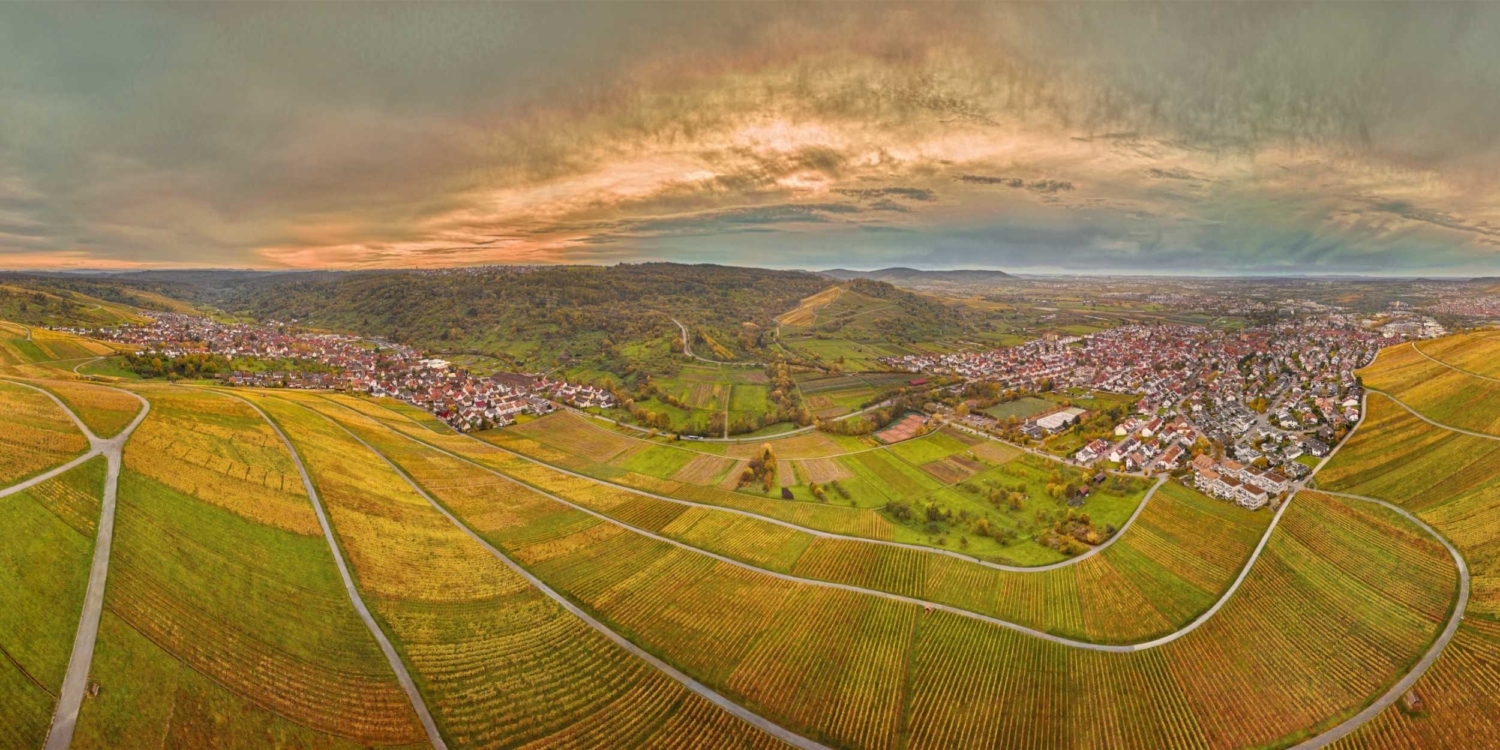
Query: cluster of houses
(381, 369)
(1294, 378)
(1143, 444)
(1242, 484)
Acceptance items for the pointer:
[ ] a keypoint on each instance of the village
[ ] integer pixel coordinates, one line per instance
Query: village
(1246, 411)
(380, 369)
(1240, 409)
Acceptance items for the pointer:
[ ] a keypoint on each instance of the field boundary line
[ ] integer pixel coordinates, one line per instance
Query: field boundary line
(1451, 367)
(397, 666)
(81, 364)
(789, 524)
(1059, 640)
(1348, 726)
(749, 717)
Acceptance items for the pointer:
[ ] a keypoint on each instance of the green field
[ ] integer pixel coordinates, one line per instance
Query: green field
(514, 571)
(44, 569)
(1021, 408)
(673, 600)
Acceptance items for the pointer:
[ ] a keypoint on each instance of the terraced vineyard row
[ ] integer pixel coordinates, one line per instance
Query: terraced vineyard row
(106, 411)
(1166, 570)
(1442, 394)
(1477, 352)
(226, 622)
(499, 663)
(45, 548)
(37, 434)
(1452, 482)
(223, 453)
(1303, 643)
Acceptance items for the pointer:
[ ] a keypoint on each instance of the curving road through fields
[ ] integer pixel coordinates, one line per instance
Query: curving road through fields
(1399, 689)
(399, 667)
(1109, 648)
(76, 679)
(754, 719)
(829, 534)
(688, 350)
(1451, 367)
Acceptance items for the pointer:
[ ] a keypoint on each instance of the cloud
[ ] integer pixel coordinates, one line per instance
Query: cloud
(916, 194)
(1202, 136)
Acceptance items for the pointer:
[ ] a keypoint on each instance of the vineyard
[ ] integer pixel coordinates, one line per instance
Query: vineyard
(868, 491)
(1452, 482)
(223, 625)
(890, 674)
(1478, 353)
(1173, 564)
(44, 561)
(1441, 394)
(23, 354)
(227, 622)
(37, 434)
(499, 663)
(106, 411)
(221, 452)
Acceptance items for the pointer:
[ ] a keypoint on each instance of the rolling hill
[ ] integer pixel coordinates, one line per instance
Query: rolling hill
(293, 568)
(900, 275)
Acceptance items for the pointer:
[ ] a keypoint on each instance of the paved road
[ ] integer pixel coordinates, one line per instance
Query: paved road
(1390, 697)
(85, 362)
(1421, 416)
(688, 350)
(94, 444)
(804, 529)
(1353, 723)
(399, 667)
(75, 680)
(756, 720)
(736, 440)
(1125, 648)
(1451, 367)
(1342, 730)
(49, 474)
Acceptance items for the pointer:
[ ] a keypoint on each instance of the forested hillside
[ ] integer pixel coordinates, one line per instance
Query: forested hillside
(592, 319)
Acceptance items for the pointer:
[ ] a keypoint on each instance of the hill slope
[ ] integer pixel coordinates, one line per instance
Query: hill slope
(898, 275)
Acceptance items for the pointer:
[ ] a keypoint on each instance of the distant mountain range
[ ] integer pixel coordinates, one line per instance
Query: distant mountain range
(913, 275)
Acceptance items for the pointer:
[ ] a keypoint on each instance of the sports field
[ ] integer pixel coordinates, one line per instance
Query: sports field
(1021, 408)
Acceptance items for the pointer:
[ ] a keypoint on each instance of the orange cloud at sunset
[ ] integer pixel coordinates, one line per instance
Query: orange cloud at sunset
(999, 135)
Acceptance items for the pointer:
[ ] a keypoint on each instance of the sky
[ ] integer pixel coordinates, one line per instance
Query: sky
(1211, 138)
